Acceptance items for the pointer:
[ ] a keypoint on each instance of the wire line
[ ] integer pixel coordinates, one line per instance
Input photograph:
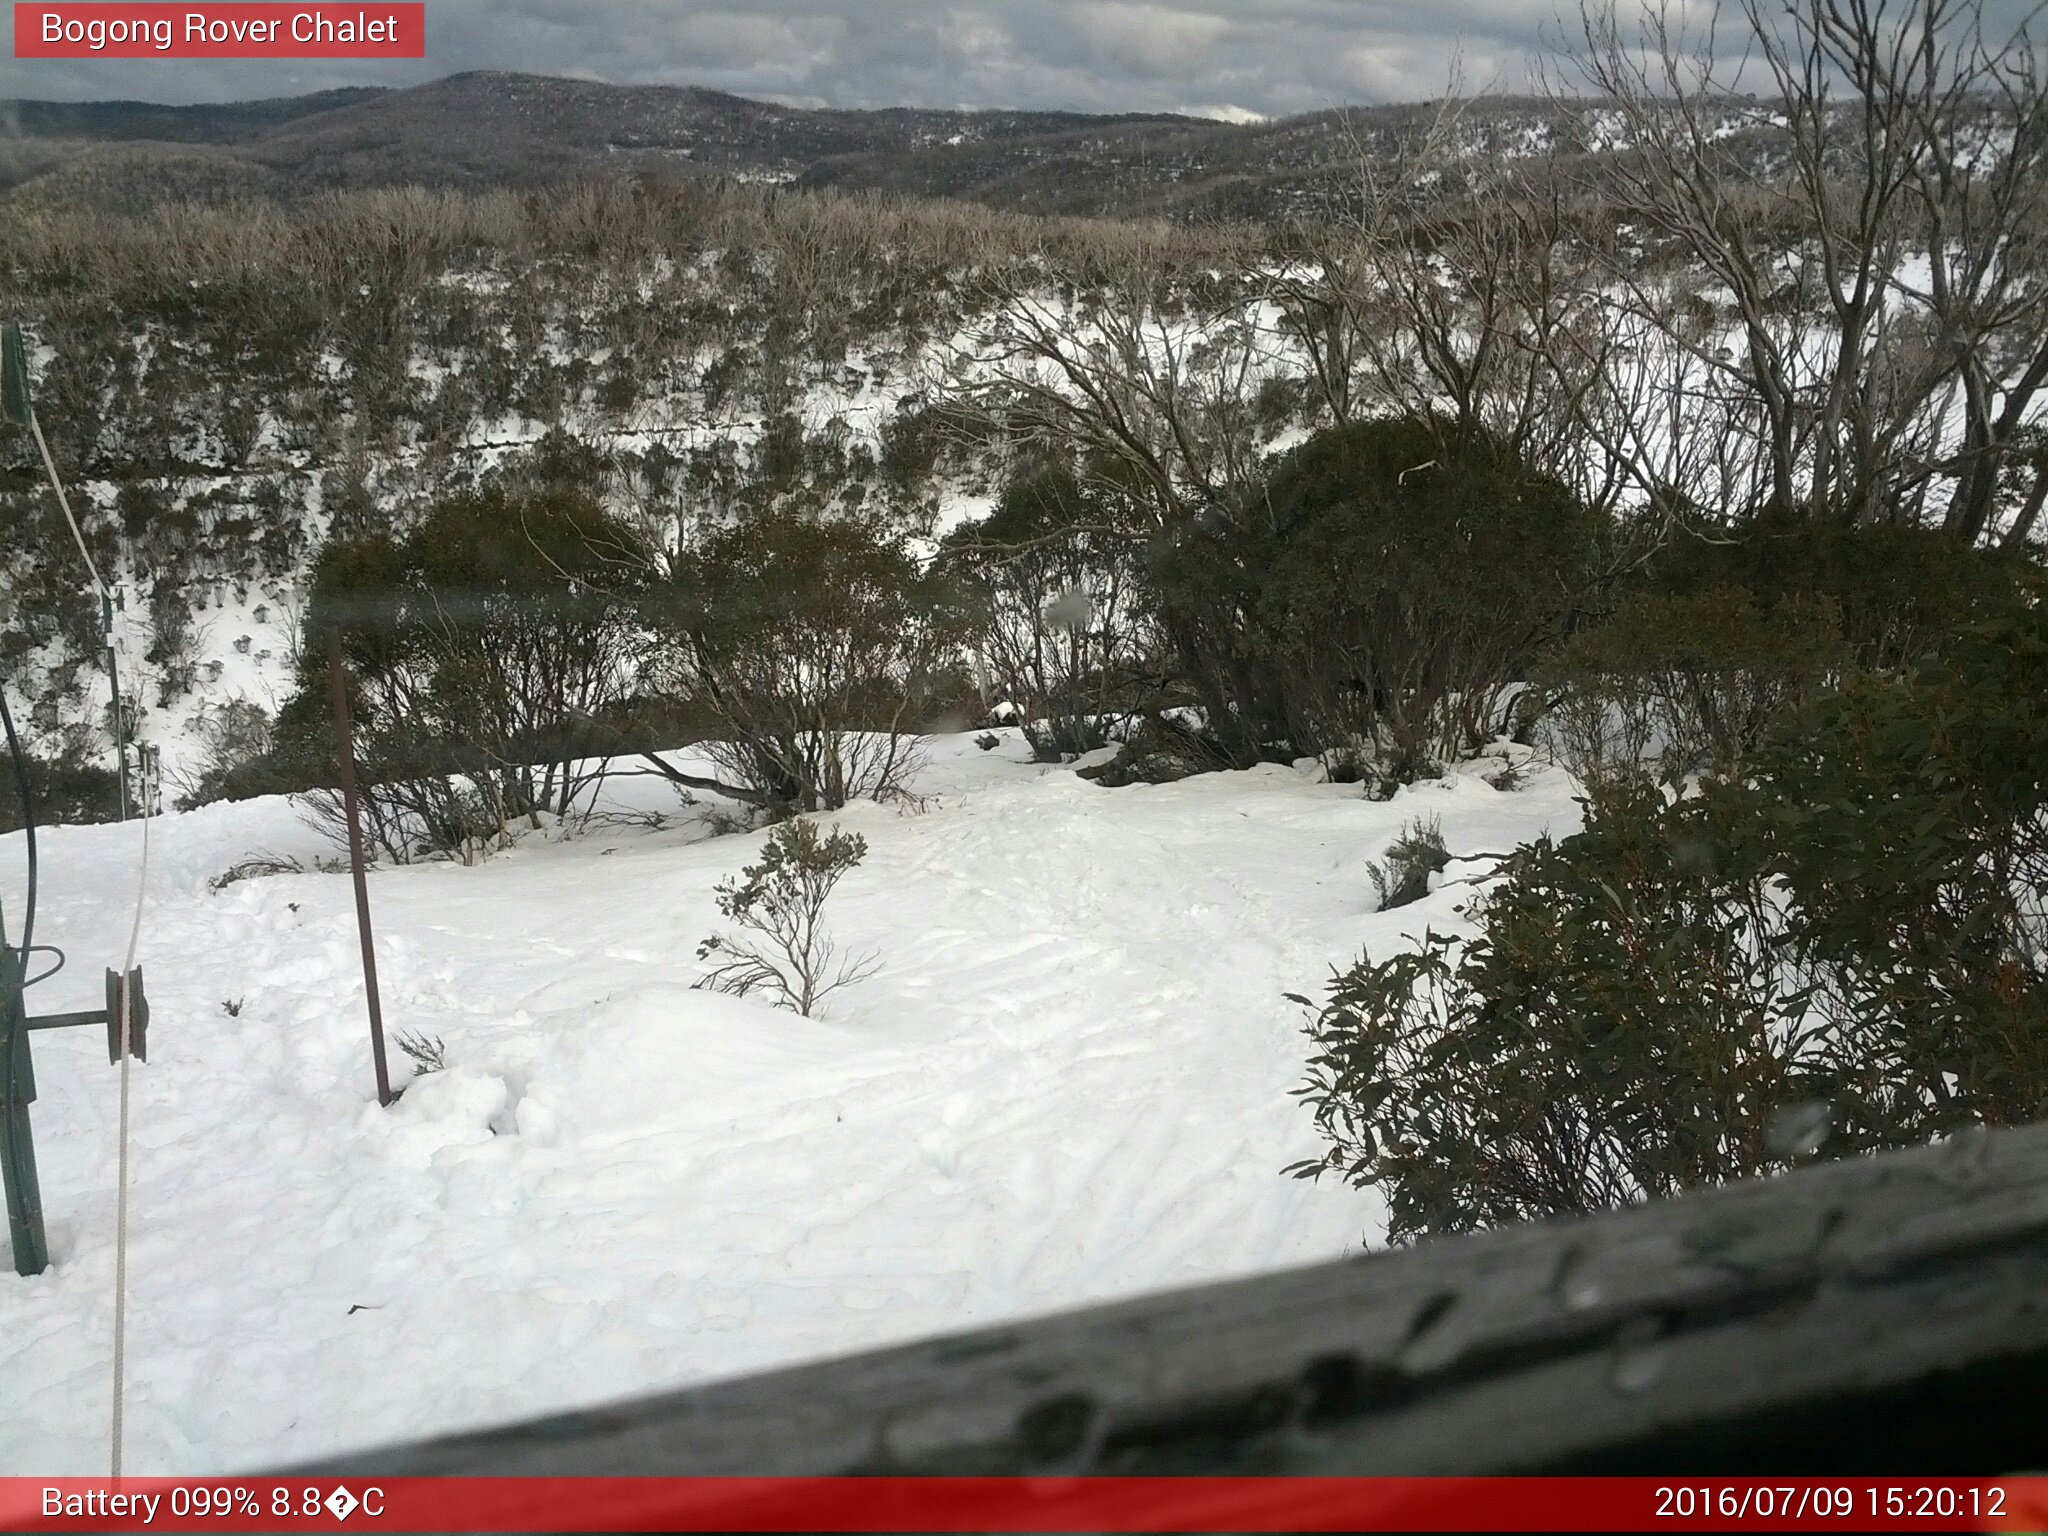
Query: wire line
(125, 1030)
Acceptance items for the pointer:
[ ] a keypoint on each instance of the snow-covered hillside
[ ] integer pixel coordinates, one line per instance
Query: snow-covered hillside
(1069, 1082)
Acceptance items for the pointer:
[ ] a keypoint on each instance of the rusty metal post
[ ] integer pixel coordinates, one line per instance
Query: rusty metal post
(345, 765)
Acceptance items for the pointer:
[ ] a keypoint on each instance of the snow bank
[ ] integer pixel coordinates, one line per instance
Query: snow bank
(1068, 1083)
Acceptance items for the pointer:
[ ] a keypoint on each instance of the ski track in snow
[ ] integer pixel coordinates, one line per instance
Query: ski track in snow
(1068, 1083)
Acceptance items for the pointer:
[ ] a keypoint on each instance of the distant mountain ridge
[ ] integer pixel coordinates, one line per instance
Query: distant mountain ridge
(208, 123)
(492, 129)
(487, 129)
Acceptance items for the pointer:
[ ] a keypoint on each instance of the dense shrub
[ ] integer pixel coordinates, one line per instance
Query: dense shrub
(1897, 591)
(815, 643)
(66, 791)
(1681, 684)
(1385, 590)
(481, 650)
(1908, 823)
(1615, 1031)
(1852, 937)
(1719, 633)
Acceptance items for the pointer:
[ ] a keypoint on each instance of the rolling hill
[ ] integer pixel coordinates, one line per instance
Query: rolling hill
(487, 129)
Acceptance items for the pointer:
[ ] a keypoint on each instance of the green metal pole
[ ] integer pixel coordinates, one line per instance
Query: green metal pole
(17, 1146)
(114, 688)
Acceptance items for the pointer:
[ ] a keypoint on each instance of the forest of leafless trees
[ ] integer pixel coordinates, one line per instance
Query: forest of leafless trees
(1808, 287)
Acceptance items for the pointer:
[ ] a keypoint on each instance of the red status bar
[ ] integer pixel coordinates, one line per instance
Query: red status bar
(1024, 1504)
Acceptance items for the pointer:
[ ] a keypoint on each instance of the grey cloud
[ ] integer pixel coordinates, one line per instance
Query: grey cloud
(1150, 41)
(1267, 56)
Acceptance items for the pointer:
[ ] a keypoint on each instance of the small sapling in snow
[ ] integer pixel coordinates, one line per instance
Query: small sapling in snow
(428, 1053)
(1403, 875)
(782, 899)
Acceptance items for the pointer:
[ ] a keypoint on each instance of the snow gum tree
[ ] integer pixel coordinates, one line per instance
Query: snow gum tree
(817, 644)
(480, 648)
(1867, 226)
(1063, 629)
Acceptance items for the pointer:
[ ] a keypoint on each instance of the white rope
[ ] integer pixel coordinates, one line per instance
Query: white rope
(99, 584)
(64, 502)
(121, 1187)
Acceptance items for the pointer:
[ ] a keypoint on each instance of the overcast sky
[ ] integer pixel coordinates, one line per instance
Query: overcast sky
(1219, 57)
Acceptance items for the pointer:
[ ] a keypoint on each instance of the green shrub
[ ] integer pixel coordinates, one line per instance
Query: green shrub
(1384, 589)
(1908, 823)
(1612, 1033)
(1687, 683)
(482, 649)
(1852, 934)
(1898, 591)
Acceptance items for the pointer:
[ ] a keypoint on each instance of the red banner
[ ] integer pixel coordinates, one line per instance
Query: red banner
(1024, 1504)
(71, 30)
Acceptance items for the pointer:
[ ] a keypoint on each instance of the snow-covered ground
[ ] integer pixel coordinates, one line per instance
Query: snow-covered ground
(1069, 1082)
